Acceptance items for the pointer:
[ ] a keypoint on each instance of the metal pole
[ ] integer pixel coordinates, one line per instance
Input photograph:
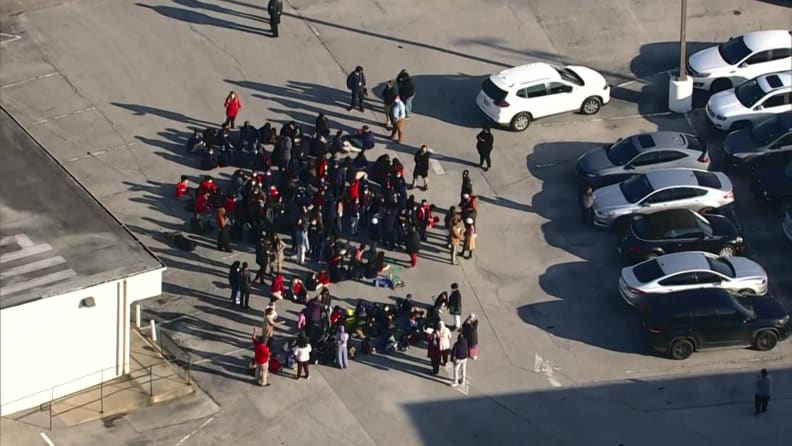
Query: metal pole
(137, 315)
(52, 400)
(151, 386)
(101, 392)
(153, 331)
(682, 42)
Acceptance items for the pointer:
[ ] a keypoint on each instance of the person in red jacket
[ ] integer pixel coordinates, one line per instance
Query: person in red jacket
(202, 203)
(207, 185)
(183, 191)
(277, 288)
(261, 357)
(232, 106)
(323, 280)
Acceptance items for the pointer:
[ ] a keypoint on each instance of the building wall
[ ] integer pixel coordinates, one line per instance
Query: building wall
(52, 347)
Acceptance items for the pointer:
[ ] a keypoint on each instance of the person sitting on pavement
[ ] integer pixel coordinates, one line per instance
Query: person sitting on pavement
(364, 138)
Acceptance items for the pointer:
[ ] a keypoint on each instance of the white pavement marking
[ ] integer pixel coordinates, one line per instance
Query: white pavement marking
(31, 79)
(20, 239)
(544, 367)
(63, 115)
(8, 38)
(46, 439)
(25, 252)
(33, 266)
(612, 118)
(39, 281)
(195, 431)
(438, 169)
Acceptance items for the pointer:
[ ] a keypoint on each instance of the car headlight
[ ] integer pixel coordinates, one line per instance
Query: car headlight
(738, 240)
(784, 320)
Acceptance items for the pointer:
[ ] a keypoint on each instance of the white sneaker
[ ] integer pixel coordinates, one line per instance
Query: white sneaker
(454, 384)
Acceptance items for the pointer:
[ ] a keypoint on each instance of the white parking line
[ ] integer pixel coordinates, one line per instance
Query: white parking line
(195, 431)
(46, 439)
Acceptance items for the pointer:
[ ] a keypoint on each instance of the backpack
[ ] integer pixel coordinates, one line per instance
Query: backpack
(184, 243)
(274, 365)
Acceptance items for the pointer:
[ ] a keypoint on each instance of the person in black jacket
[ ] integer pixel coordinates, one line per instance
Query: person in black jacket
(484, 141)
(233, 281)
(322, 126)
(262, 258)
(356, 83)
(406, 87)
(388, 98)
(459, 355)
(455, 305)
(275, 9)
(467, 185)
(412, 245)
(421, 169)
(245, 286)
(470, 332)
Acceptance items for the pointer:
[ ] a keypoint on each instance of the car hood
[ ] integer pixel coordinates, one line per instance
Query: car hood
(740, 142)
(609, 197)
(766, 307)
(746, 268)
(595, 161)
(589, 76)
(726, 104)
(707, 60)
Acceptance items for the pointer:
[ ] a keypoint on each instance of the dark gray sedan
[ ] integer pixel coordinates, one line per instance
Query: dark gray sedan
(640, 154)
(773, 135)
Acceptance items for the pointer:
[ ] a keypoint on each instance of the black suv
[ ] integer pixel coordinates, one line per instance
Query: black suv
(772, 177)
(680, 323)
(676, 230)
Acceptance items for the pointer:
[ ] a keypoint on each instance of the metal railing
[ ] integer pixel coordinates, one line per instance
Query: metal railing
(174, 354)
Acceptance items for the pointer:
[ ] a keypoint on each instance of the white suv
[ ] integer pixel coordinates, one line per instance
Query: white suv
(751, 101)
(518, 95)
(741, 58)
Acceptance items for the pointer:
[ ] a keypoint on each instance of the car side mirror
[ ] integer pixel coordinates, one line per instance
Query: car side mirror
(744, 65)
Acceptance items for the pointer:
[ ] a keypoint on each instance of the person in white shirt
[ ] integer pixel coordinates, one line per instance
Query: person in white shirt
(398, 113)
(302, 353)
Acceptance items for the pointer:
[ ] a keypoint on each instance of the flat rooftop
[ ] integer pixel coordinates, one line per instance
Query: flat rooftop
(54, 236)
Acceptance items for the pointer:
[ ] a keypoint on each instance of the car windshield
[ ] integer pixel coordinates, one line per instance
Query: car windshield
(734, 50)
(622, 152)
(704, 226)
(570, 76)
(767, 131)
(492, 90)
(647, 271)
(721, 266)
(747, 305)
(749, 93)
(635, 188)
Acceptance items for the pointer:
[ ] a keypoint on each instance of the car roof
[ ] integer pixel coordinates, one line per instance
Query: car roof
(672, 218)
(662, 178)
(775, 81)
(524, 73)
(645, 142)
(679, 262)
(768, 39)
(688, 299)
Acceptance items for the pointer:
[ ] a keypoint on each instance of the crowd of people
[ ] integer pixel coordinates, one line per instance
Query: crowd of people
(319, 200)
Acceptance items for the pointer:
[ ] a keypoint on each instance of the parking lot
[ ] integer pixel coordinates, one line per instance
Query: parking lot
(557, 342)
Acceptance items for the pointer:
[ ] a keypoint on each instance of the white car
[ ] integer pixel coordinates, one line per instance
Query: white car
(689, 270)
(744, 57)
(516, 96)
(751, 101)
(659, 190)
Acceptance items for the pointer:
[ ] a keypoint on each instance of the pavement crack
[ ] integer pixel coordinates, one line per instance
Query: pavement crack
(237, 64)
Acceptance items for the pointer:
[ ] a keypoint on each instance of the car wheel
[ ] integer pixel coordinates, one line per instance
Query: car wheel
(591, 105)
(681, 349)
(726, 251)
(765, 340)
(737, 125)
(747, 292)
(720, 85)
(520, 122)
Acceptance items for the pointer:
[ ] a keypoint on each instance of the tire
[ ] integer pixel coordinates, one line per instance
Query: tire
(591, 105)
(747, 292)
(720, 85)
(520, 122)
(681, 349)
(765, 340)
(726, 251)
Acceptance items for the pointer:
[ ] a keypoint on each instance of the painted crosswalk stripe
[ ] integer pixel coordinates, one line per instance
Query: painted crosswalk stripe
(33, 266)
(25, 252)
(39, 281)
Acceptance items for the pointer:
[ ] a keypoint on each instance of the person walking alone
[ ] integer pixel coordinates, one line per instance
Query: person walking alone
(484, 141)
(342, 351)
(232, 105)
(421, 169)
(275, 9)
(397, 113)
(388, 97)
(459, 355)
(356, 83)
(763, 389)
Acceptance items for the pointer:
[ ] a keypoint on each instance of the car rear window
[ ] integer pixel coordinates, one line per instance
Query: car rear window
(493, 91)
(647, 271)
(622, 152)
(707, 179)
(646, 141)
(721, 266)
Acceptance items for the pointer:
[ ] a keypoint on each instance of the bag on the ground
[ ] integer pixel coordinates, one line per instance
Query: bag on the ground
(184, 243)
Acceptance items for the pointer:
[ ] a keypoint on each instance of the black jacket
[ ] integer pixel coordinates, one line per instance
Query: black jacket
(459, 350)
(413, 243)
(470, 332)
(455, 302)
(275, 9)
(389, 95)
(484, 146)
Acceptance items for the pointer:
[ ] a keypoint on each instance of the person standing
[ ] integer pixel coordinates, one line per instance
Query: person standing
(467, 185)
(222, 229)
(262, 259)
(470, 332)
(412, 245)
(388, 97)
(232, 105)
(484, 141)
(459, 355)
(470, 238)
(455, 305)
(275, 9)
(433, 352)
(406, 88)
(445, 342)
(302, 354)
(356, 83)
(455, 238)
(397, 113)
(279, 246)
(587, 204)
(421, 169)
(245, 286)
(233, 281)
(261, 357)
(342, 351)
(763, 388)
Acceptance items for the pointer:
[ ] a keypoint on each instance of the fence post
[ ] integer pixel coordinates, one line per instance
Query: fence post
(101, 392)
(151, 386)
(189, 362)
(137, 315)
(52, 400)
(153, 331)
